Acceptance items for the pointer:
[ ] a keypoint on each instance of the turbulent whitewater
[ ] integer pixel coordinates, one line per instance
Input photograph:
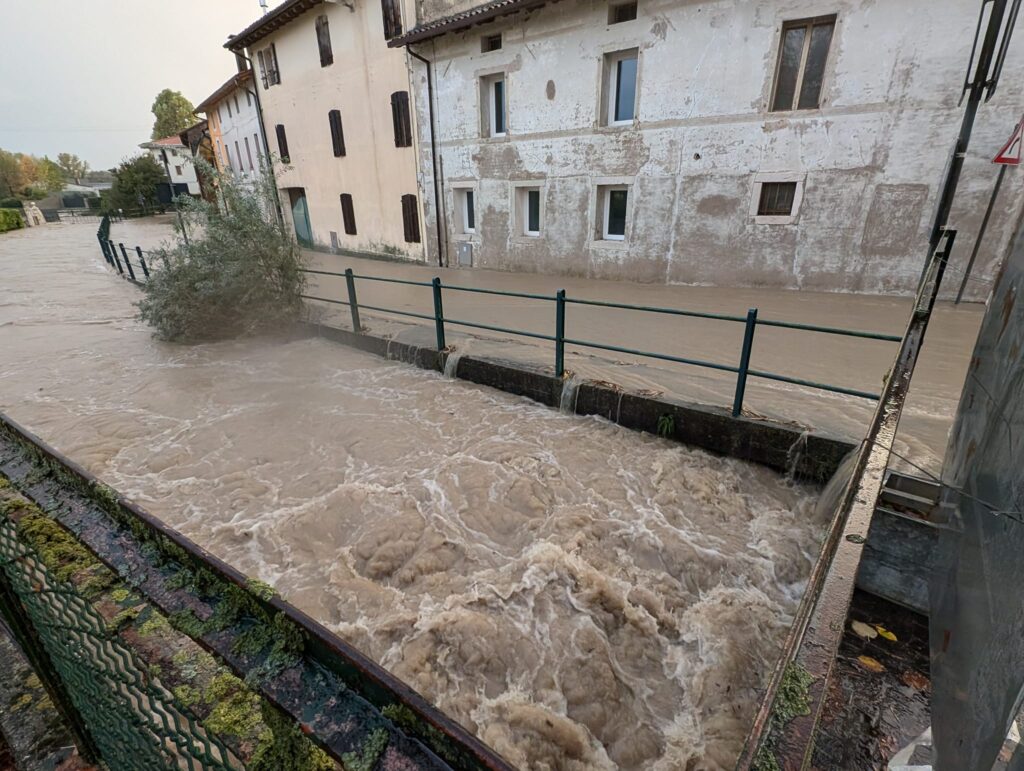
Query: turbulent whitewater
(579, 595)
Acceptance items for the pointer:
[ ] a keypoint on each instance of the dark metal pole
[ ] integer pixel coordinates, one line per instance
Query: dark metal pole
(560, 333)
(353, 305)
(438, 314)
(981, 232)
(741, 376)
(117, 260)
(127, 263)
(142, 262)
(974, 87)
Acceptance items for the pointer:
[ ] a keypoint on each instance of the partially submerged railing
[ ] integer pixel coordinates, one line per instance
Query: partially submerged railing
(160, 656)
(742, 369)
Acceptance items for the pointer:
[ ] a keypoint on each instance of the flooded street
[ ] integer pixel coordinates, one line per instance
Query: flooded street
(580, 595)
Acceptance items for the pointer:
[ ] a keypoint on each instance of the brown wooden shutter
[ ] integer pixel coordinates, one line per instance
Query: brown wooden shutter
(263, 69)
(282, 143)
(337, 134)
(410, 219)
(348, 214)
(323, 40)
(275, 73)
(392, 18)
(400, 117)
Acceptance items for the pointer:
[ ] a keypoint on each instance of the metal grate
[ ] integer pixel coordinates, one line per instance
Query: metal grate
(130, 717)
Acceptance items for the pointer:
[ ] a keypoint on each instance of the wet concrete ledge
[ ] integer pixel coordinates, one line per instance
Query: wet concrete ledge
(810, 456)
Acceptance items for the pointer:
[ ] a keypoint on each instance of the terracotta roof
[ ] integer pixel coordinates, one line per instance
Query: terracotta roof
(237, 80)
(269, 22)
(172, 141)
(465, 20)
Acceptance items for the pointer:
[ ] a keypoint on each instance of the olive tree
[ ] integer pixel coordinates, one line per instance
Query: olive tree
(233, 269)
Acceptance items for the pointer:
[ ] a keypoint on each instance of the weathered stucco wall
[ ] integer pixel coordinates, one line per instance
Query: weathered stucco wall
(871, 156)
(359, 84)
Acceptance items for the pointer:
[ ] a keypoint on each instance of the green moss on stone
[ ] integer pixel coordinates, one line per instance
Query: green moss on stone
(186, 695)
(283, 747)
(60, 552)
(262, 590)
(791, 700)
(372, 749)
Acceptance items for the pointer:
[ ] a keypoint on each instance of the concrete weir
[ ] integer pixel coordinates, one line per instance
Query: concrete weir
(894, 565)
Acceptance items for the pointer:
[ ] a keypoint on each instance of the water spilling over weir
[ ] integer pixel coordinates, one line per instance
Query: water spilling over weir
(579, 595)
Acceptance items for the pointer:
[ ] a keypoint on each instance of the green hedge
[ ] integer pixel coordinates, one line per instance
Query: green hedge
(9, 220)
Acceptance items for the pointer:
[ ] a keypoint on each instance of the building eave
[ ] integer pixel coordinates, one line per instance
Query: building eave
(238, 80)
(457, 22)
(284, 14)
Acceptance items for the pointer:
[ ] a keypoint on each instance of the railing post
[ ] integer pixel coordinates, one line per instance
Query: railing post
(117, 260)
(741, 376)
(353, 306)
(124, 253)
(142, 262)
(103, 248)
(438, 314)
(560, 333)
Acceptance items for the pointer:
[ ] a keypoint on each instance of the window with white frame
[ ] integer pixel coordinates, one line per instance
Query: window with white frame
(465, 201)
(620, 92)
(492, 101)
(528, 211)
(613, 211)
(776, 196)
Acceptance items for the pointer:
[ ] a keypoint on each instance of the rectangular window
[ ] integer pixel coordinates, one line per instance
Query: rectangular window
(238, 154)
(400, 117)
(337, 134)
(492, 100)
(392, 18)
(256, 144)
(528, 210)
(614, 203)
(776, 199)
(490, 43)
(410, 219)
(467, 209)
(248, 153)
(282, 143)
(323, 41)
(236, 104)
(620, 12)
(177, 170)
(620, 87)
(248, 98)
(803, 52)
(348, 214)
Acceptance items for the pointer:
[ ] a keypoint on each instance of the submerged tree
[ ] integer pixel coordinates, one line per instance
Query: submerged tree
(135, 184)
(74, 168)
(233, 269)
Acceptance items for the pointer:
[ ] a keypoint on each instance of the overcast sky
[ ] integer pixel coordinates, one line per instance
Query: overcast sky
(80, 76)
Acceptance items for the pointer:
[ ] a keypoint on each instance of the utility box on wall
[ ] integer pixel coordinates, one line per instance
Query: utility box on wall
(465, 254)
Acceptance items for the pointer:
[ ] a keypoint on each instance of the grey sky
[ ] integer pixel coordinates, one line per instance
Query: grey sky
(80, 76)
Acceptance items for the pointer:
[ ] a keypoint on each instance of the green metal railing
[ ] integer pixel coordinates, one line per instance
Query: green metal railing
(742, 369)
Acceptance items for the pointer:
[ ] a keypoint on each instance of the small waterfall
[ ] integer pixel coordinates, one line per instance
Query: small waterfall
(570, 388)
(451, 365)
(795, 454)
(618, 408)
(832, 494)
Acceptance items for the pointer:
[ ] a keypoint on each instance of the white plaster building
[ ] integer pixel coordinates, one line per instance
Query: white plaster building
(233, 119)
(335, 103)
(788, 143)
(178, 162)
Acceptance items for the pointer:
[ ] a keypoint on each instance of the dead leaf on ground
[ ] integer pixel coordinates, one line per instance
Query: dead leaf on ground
(864, 630)
(883, 632)
(915, 680)
(870, 664)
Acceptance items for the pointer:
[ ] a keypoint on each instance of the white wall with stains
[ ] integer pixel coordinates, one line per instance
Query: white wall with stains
(871, 157)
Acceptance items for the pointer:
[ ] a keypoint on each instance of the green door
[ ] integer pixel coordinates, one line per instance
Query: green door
(300, 216)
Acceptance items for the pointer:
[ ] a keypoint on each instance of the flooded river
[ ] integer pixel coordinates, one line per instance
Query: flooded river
(579, 595)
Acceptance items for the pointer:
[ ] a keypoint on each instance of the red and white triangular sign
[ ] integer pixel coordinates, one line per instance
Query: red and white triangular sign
(1010, 154)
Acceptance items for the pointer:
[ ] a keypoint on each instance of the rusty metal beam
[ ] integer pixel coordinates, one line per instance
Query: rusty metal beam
(814, 638)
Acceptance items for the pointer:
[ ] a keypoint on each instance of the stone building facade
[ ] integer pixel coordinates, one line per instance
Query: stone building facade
(792, 144)
(336, 107)
(233, 122)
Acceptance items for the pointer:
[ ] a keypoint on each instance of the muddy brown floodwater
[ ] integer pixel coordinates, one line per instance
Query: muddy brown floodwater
(579, 595)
